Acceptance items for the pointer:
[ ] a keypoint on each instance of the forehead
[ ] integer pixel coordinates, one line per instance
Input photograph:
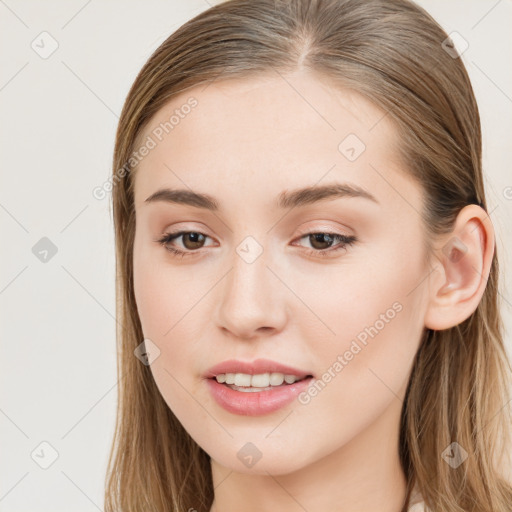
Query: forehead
(264, 132)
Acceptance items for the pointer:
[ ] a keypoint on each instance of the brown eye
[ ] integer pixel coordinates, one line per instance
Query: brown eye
(320, 241)
(327, 244)
(192, 240)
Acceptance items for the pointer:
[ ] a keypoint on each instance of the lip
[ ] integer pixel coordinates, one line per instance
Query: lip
(253, 368)
(258, 402)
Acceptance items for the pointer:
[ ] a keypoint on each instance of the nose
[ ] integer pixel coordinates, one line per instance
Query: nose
(252, 300)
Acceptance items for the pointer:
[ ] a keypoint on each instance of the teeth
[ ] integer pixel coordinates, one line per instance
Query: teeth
(221, 378)
(242, 379)
(276, 379)
(261, 380)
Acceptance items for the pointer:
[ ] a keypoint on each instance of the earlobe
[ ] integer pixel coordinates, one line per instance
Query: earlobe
(463, 263)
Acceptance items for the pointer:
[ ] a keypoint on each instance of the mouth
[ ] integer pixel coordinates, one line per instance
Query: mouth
(269, 392)
(254, 383)
(256, 387)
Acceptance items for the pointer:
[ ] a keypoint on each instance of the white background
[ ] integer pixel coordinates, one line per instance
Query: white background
(58, 120)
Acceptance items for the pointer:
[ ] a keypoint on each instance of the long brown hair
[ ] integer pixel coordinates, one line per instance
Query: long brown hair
(397, 56)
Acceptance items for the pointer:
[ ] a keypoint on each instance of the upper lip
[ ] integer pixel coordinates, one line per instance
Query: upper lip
(253, 368)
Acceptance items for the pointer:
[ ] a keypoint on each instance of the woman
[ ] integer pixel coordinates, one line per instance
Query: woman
(308, 281)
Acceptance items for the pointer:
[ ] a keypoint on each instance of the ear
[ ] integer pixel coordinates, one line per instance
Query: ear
(462, 264)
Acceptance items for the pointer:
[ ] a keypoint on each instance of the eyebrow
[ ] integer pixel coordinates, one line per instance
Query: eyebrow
(287, 199)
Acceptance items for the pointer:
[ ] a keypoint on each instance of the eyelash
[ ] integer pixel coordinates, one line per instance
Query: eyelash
(345, 241)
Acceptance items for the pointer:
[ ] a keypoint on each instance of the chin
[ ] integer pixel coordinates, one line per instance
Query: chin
(265, 460)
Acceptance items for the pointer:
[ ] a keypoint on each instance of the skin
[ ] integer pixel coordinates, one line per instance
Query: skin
(245, 143)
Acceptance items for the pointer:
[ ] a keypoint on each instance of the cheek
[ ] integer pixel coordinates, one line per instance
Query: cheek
(159, 310)
(378, 289)
(374, 322)
(170, 306)
(165, 295)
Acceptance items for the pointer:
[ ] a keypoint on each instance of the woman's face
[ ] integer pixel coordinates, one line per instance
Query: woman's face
(330, 283)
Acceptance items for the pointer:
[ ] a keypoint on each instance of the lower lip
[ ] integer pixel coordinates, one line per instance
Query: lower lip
(256, 403)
